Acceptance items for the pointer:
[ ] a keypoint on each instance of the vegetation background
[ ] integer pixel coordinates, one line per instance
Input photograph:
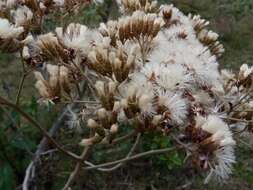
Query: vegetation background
(231, 19)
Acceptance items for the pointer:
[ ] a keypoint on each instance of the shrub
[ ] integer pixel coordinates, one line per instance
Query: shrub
(152, 73)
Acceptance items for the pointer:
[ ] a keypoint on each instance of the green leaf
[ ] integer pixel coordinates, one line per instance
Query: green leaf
(6, 177)
(32, 107)
(22, 143)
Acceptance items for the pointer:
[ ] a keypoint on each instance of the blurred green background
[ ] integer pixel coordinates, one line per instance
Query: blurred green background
(231, 19)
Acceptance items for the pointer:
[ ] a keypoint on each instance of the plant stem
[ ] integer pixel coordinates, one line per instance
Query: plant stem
(76, 171)
(148, 153)
(3, 101)
(21, 84)
(119, 164)
(20, 88)
(122, 139)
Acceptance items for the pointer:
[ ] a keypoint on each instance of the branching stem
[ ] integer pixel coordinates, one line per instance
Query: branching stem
(5, 102)
(75, 172)
(20, 88)
(121, 163)
(148, 153)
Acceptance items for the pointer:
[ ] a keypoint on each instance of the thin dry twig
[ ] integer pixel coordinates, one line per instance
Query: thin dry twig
(238, 120)
(25, 185)
(5, 102)
(130, 153)
(21, 84)
(20, 88)
(178, 141)
(240, 101)
(42, 147)
(148, 153)
(121, 139)
(76, 171)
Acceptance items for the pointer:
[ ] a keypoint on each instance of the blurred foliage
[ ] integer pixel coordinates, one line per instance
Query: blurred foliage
(18, 141)
(231, 19)
(170, 161)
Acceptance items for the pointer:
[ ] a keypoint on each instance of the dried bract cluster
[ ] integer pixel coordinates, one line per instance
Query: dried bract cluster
(57, 85)
(25, 16)
(154, 69)
(9, 36)
(129, 6)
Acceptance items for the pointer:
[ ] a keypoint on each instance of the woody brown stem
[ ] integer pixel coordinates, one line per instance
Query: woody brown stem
(21, 84)
(5, 102)
(76, 171)
(20, 88)
(140, 155)
(119, 164)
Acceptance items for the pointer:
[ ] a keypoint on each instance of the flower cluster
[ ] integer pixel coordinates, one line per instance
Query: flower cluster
(129, 6)
(154, 69)
(18, 18)
(57, 84)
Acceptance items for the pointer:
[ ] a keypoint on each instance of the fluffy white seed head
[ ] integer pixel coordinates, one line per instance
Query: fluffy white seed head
(146, 105)
(7, 30)
(100, 87)
(245, 71)
(102, 113)
(92, 123)
(77, 37)
(22, 16)
(223, 156)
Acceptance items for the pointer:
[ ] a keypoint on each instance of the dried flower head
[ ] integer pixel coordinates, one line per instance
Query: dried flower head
(215, 147)
(76, 37)
(23, 16)
(50, 47)
(153, 68)
(57, 83)
(9, 35)
(8, 30)
(129, 6)
(139, 26)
